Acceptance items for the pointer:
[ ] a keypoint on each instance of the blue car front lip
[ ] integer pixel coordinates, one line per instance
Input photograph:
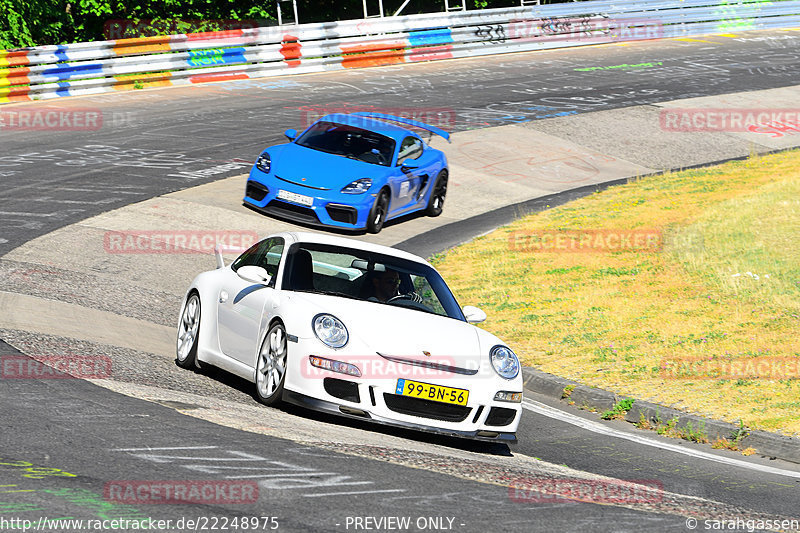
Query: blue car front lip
(362, 203)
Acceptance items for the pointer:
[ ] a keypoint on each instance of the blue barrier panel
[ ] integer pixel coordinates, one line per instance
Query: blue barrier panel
(430, 37)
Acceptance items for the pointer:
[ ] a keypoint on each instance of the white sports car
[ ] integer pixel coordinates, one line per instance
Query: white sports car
(355, 329)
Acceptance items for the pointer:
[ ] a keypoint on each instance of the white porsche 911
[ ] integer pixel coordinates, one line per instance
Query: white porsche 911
(357, 329)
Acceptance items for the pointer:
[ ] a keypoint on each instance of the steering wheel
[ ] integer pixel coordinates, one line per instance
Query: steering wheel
(381, 157)
(413, 296)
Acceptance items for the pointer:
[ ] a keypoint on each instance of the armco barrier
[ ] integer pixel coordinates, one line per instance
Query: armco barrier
(96, 67)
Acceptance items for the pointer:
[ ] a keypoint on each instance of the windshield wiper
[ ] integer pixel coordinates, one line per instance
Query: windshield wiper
(318, 148)
(328, 293)
(342, 294)
(418, 306)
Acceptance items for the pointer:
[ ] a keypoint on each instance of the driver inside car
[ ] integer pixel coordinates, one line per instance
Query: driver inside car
(384, 287)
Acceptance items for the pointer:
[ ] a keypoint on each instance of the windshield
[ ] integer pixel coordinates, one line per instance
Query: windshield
(349, 141)
(368, 276)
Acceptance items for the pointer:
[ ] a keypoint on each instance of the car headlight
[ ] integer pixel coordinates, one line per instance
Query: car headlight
(264, 163)
(504, 361)
(358, 186)
(330, 330)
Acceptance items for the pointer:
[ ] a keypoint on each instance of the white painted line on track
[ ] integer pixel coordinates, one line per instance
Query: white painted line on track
(163, 448)
(116, 191)
(352, 492)
(596, 427)
(18, 214)
(301, 474)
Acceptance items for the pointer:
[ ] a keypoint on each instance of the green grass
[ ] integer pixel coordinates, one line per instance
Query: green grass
(619, 410)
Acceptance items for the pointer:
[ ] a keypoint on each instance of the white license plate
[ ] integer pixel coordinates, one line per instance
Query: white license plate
(295, 198)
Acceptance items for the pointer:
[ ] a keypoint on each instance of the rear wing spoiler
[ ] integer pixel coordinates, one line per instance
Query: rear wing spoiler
(433, 129)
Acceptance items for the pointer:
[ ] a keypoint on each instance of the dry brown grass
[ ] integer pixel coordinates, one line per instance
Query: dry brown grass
(612, 319)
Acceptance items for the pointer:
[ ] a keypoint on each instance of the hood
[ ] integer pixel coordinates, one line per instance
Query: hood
(403, 334)
(319, 169)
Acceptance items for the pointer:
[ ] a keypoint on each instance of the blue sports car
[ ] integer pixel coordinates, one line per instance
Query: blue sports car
(350, 171)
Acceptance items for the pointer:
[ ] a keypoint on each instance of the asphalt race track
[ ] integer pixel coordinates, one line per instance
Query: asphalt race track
(151, 141)
(64, 442)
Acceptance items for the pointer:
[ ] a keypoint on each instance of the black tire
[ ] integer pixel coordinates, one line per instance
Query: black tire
(438, 194)
(377, 215)
(188, 332)
(271, 366)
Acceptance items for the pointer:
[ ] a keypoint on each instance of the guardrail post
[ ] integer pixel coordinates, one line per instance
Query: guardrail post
(280, 12)
(402, 7)
(462, 7)
(380, 9)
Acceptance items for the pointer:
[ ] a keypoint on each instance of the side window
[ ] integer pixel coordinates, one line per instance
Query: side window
(410, 148)
(429, 298)
(266, 254)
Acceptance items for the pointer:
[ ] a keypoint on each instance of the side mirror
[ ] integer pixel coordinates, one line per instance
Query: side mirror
(254, 274)
(473, 314)
(409, 164)
(290, 134)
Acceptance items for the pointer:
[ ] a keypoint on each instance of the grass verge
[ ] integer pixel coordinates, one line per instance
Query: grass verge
(708, 323)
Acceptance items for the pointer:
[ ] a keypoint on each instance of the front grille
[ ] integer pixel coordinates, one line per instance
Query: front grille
(500, 416)
(342, 213)
(426, 408)
(342, 389)
(256, 191)
(291, 211)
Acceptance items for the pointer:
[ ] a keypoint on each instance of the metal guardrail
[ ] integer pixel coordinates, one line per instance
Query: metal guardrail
(96, 67)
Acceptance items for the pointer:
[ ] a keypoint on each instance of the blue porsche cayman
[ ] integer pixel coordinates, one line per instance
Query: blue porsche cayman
(350, 171)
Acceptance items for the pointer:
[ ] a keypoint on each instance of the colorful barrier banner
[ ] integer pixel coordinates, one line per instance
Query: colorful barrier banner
(242, 50)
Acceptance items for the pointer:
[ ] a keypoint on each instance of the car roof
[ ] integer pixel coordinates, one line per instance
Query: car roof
(321, 238)
(394, 131)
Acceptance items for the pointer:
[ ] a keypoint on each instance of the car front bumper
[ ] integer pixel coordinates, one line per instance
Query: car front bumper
(335, 408)
(373, 395)
(328, 208)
